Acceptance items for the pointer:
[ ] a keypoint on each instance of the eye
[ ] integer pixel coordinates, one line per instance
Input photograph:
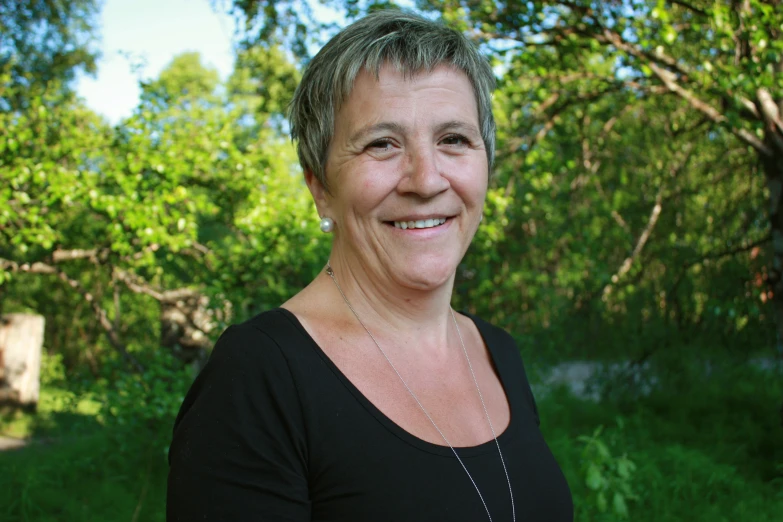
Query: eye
(382, 145)
(455, 140)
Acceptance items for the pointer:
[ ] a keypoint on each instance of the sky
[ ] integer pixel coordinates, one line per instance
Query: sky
(140, 37)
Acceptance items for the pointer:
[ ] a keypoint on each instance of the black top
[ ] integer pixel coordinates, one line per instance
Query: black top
(272, 430)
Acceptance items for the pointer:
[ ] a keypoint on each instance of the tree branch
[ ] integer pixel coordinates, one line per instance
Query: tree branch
(593, 167)
(609, 36)
(643, 237)
(59, 255)
(139, 286)
(713, 114)
(32, 268)
(771, 114)
(655, 61)
(559, 108)
(728, 253)
(100, 313)
(689, 7)
(651, 222)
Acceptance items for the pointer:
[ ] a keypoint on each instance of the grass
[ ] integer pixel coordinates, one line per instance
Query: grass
(59, 411)
(75, 468)
(705, 449)
(83, 478)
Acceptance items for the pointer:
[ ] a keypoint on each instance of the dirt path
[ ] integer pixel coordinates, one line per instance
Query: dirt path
(10, 443)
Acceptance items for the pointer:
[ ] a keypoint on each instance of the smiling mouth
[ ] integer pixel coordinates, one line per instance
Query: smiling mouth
(422, 223)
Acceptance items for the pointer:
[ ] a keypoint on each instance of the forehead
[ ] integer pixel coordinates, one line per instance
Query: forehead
(405, 95)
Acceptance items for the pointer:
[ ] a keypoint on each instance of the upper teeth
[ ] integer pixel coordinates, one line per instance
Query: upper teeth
(422, 223)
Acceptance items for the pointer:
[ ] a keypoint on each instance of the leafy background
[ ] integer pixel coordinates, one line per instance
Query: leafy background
(633, 225)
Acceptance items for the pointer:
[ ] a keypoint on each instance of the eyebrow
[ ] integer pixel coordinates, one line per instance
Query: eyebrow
(457, 125)
(377, 127)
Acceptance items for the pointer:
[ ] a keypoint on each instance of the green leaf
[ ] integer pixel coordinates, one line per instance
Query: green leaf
(624, 468)
(601, 502)
(619, 505)
(594, 479)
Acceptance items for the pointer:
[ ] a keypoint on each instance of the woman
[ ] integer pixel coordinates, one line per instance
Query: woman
(366, 397)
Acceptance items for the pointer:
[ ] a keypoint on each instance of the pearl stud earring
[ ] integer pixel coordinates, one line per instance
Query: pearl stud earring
(327, 225)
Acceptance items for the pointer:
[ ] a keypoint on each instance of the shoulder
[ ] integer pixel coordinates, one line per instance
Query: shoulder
(239, 447)
(251, 358)
(497, 339)
(263, 337)
(487, 327)
(248, 367)
(502, 347)
(508, 359)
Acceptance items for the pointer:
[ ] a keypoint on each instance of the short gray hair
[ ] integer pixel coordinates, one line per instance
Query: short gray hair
(409, 43)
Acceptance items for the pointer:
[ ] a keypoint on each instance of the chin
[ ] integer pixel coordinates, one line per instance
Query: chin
(428, 275)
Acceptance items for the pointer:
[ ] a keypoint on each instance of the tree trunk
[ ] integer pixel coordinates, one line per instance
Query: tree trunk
(184, 329)
(21, 340)
(773, 169)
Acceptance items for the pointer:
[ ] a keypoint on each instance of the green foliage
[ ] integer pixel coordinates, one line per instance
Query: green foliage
(141, 404)
(601, 144)
(263, 81)
(623, 221)
(46, 155)
(627, 201)
(703, 450)
(84, 477)
(291, 24)
(197, 192)
(704, 447)
(44, 42)
(608, 477)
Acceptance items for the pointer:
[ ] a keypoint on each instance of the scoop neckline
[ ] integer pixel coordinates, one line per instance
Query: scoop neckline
(503, 438)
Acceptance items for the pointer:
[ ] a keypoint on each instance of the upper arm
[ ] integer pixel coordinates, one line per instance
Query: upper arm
(239, 450)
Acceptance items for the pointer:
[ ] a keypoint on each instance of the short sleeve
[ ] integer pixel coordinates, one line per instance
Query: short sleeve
(239, 450)
(534, 405)
(507, 359)
(528, 388)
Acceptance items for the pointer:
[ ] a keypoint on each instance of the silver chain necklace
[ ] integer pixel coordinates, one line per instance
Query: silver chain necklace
(330, 272)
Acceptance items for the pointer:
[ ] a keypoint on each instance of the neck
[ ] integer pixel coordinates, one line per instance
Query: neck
(389, 308)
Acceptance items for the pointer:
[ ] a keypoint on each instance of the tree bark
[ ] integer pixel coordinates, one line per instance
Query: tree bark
(773, 169)
(21, 340)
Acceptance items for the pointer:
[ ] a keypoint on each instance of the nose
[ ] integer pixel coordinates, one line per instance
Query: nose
(422, 174)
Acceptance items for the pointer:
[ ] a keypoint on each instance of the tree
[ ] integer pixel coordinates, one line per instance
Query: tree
(177, 206)
(720, 62)
(565, 88)
(44, 41)
(706, 78)
(623, 207)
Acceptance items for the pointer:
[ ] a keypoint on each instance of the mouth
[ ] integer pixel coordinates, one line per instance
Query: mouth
(419, 223)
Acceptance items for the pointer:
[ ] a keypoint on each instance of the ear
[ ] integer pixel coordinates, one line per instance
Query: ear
(319, 193)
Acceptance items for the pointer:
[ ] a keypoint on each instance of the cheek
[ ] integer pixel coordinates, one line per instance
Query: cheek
(471, 173)
(473, 188)
(360, 189)
(372, 190)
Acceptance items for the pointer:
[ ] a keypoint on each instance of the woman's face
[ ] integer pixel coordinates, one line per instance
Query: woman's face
(407, 172)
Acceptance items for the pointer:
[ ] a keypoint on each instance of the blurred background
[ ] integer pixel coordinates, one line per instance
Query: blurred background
(632, 240)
